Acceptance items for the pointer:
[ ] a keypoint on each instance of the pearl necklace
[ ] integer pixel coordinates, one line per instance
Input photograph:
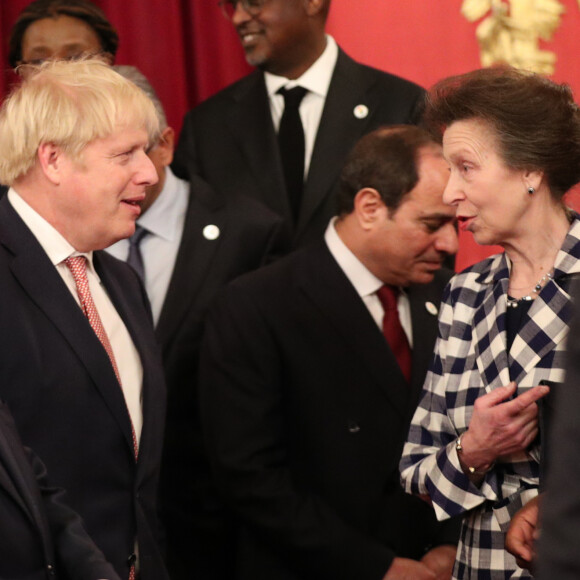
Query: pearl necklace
(514, 302)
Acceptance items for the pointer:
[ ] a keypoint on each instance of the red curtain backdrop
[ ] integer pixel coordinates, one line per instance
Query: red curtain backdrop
(189, 51)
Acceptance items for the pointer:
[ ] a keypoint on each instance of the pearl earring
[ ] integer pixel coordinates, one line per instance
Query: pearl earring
(531, 190)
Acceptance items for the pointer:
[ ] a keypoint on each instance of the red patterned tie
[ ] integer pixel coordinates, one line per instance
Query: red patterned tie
(78, 267)
(393, 330)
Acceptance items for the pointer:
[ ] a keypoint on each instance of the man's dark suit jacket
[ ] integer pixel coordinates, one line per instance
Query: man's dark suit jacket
(198, 529)
(42, 538)
(558, 553)
(68, 406)
(305, 411)
(230, 141)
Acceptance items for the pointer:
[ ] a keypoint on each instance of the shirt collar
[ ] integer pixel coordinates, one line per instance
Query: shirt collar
(363, 280)
(163, 217)
(316, 79)
(52, 241)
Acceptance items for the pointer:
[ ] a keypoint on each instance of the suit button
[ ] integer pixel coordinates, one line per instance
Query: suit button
(353, 426)
(50, 569)
(132, 559)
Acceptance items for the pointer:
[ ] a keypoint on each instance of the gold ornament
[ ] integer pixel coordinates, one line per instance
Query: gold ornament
(511, 31)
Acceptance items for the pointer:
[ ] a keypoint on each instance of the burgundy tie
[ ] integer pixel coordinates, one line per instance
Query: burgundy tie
(393, 331)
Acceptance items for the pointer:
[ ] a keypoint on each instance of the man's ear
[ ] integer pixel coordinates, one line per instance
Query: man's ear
(369, 208)
(51, 161)
(166, 146)
(314, 7)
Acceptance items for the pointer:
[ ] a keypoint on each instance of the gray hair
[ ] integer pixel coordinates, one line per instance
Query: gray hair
(134, 75)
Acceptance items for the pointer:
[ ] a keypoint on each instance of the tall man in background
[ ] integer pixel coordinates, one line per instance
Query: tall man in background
(306, 404)
(283, 145)
(188, 243)
(79, 365)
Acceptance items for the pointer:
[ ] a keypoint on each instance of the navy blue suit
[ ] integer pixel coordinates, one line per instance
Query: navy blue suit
(66, 401)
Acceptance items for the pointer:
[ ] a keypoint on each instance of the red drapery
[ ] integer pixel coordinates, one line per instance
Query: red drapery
(188, 50)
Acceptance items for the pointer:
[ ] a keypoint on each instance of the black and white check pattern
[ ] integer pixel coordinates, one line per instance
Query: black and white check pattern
(471, 360)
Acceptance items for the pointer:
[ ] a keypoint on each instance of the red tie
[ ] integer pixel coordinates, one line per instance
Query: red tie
(393, 331)
(78, 267)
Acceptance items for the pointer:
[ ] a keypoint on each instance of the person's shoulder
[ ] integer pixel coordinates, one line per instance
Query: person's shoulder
(381, 77)
(245, 211)
(279, 278)
(470, 285)
(225, 96)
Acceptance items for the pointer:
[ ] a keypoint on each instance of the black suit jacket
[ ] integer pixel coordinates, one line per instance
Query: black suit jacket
(230, 141)
(65, 398)
(42, 538)
(558, 554)
(305, 412)
(199, 539)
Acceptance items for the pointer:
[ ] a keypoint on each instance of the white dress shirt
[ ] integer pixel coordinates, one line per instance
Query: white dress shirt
(317, 80)
(366, 283)
(126, 355)
(164, 221)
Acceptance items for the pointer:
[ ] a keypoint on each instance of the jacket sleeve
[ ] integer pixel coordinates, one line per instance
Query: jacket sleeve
(429, 463)
(75, 551)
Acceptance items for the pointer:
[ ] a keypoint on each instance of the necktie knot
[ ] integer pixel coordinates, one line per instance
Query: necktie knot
(292, 147)
(135, 258)
(77, 265)
(388, 296)
(292, 97)
(140, 233)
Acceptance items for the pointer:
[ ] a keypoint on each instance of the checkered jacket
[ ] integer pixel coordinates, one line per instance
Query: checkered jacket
(471, 360)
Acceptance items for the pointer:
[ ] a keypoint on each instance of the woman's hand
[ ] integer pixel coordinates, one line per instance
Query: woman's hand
(499, 426)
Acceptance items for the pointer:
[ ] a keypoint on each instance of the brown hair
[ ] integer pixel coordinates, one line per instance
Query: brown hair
(81, 9)
(536, 120)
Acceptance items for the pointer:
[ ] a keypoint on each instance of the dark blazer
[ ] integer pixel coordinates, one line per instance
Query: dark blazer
(230, 141)
(558, 554)
(66, 401)
(305, 412)
(42, 538)
(198, 530)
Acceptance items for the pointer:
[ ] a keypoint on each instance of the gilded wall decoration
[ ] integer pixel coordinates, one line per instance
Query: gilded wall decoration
(511, 30)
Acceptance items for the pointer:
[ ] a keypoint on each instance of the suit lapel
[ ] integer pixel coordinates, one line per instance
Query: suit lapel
(424, 301)
(549, 316)
(329, 289)
(250, 122)
(123, 302)
(44, 286)
(339, 129)
(489, 334)
(194, 258)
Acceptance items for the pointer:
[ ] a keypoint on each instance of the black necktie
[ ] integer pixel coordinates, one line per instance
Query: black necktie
(135, 259)
(291, 143)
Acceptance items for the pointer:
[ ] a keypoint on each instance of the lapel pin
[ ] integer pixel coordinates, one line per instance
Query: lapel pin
(361, 111)
(211, 232)
(431, 308)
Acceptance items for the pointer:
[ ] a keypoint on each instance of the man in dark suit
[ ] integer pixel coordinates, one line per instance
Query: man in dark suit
(231, 141)
(41, 536)
(304, 405)
(196, 240)
(80, 367)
